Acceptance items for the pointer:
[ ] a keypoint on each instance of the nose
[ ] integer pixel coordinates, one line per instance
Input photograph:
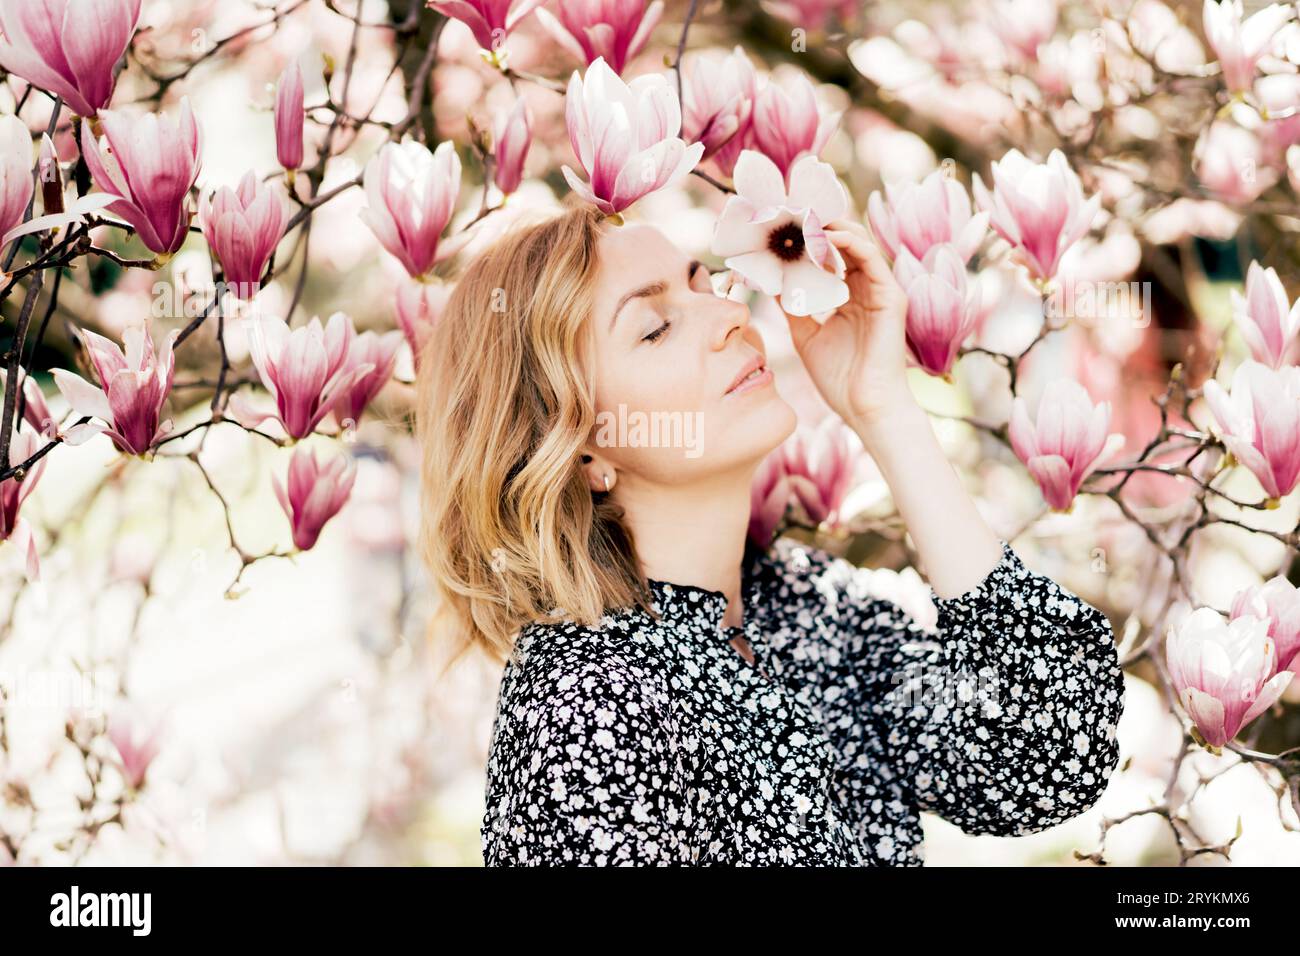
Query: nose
(731, 317)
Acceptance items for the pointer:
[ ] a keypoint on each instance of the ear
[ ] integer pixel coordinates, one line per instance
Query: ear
(595, 467)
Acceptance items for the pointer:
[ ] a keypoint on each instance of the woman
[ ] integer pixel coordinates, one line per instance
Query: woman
(670, 694)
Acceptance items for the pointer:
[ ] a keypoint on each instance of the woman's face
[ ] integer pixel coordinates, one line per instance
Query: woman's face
(669, 354)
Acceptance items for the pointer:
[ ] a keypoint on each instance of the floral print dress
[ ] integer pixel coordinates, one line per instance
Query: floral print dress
(647, 741)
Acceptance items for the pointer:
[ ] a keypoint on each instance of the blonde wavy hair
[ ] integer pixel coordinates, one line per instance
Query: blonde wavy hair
(510, 529)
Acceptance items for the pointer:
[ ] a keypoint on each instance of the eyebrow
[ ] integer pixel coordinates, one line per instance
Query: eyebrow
(653, 289)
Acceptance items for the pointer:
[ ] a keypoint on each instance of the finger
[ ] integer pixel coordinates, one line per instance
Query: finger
(802, 328)
(865, 251)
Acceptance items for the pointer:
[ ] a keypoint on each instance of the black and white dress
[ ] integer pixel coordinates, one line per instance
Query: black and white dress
(654, 742)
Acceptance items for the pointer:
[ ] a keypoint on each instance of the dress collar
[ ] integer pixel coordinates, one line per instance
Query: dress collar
(703, 608)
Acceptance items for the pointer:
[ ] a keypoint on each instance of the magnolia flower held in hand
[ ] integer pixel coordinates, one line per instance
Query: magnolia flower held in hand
(1260, 422)
(68, 47)
(412, 194)
(1225, 674)
(315, 493)
(1037, 207)
(133, 386)
(1066, 441)
(775, 238)
(917, 216)
(625, 137)
(151, 164)
(1266, 319)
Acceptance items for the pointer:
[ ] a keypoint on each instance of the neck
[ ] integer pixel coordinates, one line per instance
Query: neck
(692, 534)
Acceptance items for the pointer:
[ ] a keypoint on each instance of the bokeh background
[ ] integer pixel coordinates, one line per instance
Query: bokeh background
(299, 713)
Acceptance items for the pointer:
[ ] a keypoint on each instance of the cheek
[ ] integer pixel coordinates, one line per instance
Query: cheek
(651, 379)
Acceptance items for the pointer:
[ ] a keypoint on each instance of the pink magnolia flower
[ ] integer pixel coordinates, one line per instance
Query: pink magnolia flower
(1023, 25)
(788, 124)
(243, 227)
(513, 136)
(315, 493)
(133, 386)
(14, 491)
(490, 20)
(775, 238)
(153, 162)
(1037, 207)
(918, 216)
(306, 370)
(59, 207)
(769, 497)
(1229, 162)
(136, 748)
(625, 137)
(1260, 422)
(377, 351)
(1225, 673)
(15, 172)
(412, 194)
(718, 105)
(812, 14)
(1266, 318)
(68, 47)
(1239, 44)
(289, 117)
(613, 31)
(419, 306)
(35, 411)
(820, 465)
(1066, 441)
(943, 305)
(1278, 602)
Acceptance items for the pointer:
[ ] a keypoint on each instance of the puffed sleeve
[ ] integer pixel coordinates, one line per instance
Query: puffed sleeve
(1002, 720)
(588, 771)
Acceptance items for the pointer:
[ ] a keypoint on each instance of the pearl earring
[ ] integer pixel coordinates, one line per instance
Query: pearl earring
(607, 484)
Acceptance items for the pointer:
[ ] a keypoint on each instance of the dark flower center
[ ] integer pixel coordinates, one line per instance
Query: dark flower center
(786, 242)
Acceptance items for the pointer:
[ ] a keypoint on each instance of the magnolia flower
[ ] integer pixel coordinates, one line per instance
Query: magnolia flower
(769, 496)
(513, 135)
(490, 20)
(412, 195)
(1225, 674)
(625, 137)
(58, 209)
(243, 228)
(718, 105)
(918, 216)
(15, 171)
(379, 352)
(943, 306)
(136, 749)
(1229, 162)
(1037, 207)
(35, 412)
(1240, 45)
(788, 124)
(1260, 421)
(151, 164)
(419, 305)
(133, 386)
(305, 370)
(68, 47)
(775, 238)
(1023, 25)
(812, 14)
(1277, 601)
(820, 465)
(315, 493)
(1066, 441)
(613, 31)
(1266, 318)
(289, 118)
(14, 491)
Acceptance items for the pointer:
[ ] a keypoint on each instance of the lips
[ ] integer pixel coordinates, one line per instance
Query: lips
(753, 365)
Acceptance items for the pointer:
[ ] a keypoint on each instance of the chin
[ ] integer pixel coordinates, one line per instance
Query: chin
(764, 427)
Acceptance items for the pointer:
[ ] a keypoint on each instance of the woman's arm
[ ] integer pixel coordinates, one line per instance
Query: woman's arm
(583, 773)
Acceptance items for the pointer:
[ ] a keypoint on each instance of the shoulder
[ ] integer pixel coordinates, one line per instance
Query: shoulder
(815, 580)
